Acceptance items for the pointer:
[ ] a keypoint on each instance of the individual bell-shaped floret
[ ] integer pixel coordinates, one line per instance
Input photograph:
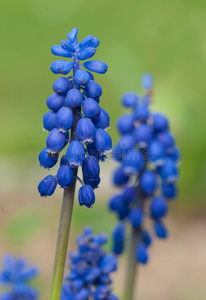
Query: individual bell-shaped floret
(125, 123)
(129, 194)
(169, 190)
(125, 144)
(61, 67)
(64, 119)
(166, 139)
(55, 101)
(93, 89)
(74, 98)
(133, 162)
(75, 154)
(120, 177)
(85, 130)
(61, 85)
(156, 153)
(115, 202)
(65, 176)
(174, 154)
(147, 81)
(160, 230)
(129, 100)
(90, 167)
(55, 141)
(59, 51)
(86, 41)
(169, 171)
(81, 77)
(91, 108)
(49, 120)
(47, 161)
(102, 121)
(103, 141)
(67, 45)
(72, 34)
(86, 196)
(146, 238)
(143, 135)
(148, 182)
(159, 122)
(118, 238)
(142, 254)
(93, 182)
(47, 186)
(141, 112)
(85, 53)
(136, 217)
(158, 207)
(96, 66)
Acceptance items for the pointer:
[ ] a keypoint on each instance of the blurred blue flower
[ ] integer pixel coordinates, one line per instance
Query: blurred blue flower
(15, 276)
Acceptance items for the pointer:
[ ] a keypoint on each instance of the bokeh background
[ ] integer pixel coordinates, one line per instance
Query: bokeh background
(164, 37)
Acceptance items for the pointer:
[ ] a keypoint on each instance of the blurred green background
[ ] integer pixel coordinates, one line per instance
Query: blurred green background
(164, 37)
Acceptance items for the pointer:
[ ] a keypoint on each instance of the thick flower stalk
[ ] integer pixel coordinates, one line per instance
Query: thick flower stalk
(75, 119)
(90, 268)
(15, 276)
(146, 176)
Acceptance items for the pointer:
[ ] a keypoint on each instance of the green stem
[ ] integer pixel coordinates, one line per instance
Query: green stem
(129, 291)
(62, 241)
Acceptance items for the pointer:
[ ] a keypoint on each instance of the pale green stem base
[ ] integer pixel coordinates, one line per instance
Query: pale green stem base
(129, 292)
(62, 241)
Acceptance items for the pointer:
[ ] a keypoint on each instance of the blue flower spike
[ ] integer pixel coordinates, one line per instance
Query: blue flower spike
(148, 171)
(16, 276)
(75, 122)
(90, 269)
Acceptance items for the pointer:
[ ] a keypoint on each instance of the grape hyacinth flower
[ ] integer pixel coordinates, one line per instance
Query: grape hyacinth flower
(90, 268)
(146, 176)
(16, 275)
(77, 137)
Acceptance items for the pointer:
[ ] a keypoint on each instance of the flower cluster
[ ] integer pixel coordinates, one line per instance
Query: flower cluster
(75, 116)
(16, 275)
(147, 173)
(90, 268)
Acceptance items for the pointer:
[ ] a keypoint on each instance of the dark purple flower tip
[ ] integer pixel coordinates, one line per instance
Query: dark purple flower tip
(74, 98)
(86, 196)
(130, 99)
(93, 182)
(47, 186)
(75, 154)
(59, 51)
(91, 108)
(81, 77)
(96, 66)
